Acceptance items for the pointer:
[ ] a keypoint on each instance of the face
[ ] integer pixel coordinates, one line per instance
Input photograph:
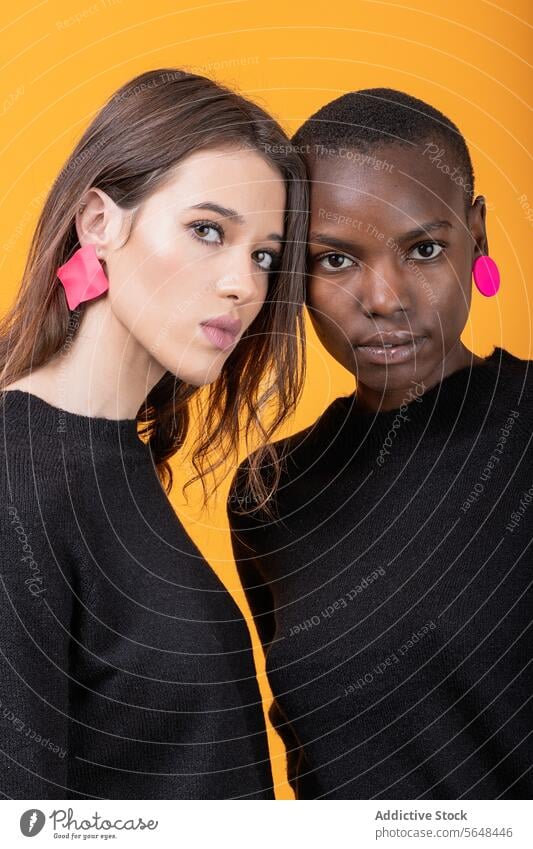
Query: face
(194, 272)
(391, 252)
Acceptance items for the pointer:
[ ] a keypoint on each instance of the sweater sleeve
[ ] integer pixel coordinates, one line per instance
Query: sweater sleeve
(246, 532)
(35, 620)
(246, 553)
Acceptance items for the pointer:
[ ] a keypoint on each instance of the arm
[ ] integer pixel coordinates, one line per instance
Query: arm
(246, 551)
(257, 591)
(35, 615)
(245, 530)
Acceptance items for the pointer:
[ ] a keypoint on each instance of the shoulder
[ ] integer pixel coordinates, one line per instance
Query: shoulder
(312, 440)
(511, 364)
(297, 451)
(35, 490)
(502, 396)
(36, 481)
(515, 379)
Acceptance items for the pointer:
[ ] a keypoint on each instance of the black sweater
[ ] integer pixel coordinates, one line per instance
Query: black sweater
(126, 667)
(393, 592)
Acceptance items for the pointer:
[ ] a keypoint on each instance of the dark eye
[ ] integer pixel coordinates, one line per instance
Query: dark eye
(426, 250)
(265, 260)
(335, 262)
(207, 232)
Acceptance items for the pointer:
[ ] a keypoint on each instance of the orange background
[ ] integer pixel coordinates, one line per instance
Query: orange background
(63, 58)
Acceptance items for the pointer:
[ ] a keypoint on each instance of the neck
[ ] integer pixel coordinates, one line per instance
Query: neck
(380, 400)
(102, 371)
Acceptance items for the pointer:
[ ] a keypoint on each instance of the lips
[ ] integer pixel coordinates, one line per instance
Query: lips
(222, 332)
(391, 347)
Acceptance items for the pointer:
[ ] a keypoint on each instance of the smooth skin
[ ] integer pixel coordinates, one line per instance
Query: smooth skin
(198, 248)
(391, 250)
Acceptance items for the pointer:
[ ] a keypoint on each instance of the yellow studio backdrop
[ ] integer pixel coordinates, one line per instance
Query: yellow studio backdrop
(61, 59)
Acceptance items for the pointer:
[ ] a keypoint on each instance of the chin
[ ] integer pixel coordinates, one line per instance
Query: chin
(199, 376)
(391, 380)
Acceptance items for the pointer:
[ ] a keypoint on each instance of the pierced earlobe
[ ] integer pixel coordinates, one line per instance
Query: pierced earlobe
(83, 277)
(486, 276)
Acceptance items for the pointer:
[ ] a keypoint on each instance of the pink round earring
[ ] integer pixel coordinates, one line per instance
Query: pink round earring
(486, 276)
(83, 277)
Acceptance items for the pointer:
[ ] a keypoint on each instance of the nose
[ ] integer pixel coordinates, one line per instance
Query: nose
(384, 292)
(239, 277)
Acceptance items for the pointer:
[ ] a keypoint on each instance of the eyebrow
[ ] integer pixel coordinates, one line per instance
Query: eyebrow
(344, 245)
(424, 229)
(331, 241)
(225, 212)
(220, 210)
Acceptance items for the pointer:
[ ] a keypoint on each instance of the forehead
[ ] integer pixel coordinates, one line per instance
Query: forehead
(396, 185)
(232, 177)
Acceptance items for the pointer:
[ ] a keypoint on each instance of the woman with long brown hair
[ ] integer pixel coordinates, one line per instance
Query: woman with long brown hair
(168, 258)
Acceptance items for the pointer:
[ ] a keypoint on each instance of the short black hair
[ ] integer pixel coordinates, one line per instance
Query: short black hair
(377, 117)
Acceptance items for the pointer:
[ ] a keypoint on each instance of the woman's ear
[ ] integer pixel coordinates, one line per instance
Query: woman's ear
(476, 223)
(100, 222)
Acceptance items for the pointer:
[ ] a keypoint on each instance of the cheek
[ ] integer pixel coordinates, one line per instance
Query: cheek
(250, 311)
(459, 286)
(155, 281)
(316, 293)
(455, 305)
(330, 309)
(328, 301)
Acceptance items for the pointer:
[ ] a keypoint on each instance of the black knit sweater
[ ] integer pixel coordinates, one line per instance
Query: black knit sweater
(126, 667)
(393, 592)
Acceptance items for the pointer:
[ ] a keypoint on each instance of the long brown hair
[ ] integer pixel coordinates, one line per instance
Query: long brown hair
(147, 127)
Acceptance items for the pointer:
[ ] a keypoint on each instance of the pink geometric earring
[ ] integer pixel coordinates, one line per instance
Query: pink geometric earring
(83, 277)
(486, 276)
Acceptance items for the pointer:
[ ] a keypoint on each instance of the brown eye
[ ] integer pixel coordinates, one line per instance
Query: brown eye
(335, 262)
(426, 250)
(265, 260)
(207, 232)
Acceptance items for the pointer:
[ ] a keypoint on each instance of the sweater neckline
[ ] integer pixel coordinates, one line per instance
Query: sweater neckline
(41, 422)
(460, 393)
